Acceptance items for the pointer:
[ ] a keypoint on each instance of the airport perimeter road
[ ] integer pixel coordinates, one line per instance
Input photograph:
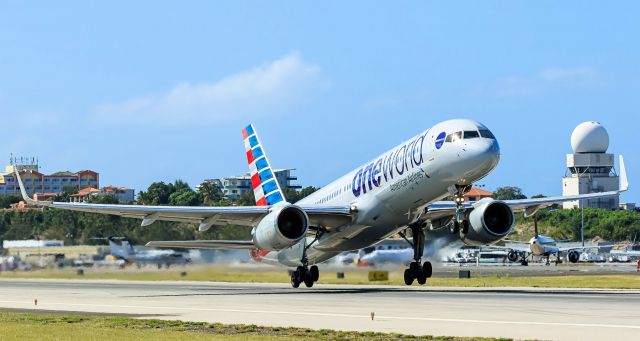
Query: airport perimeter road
(502, 312)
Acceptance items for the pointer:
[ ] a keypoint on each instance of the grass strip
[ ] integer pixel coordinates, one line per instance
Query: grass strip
(219, 274)
(58, 326)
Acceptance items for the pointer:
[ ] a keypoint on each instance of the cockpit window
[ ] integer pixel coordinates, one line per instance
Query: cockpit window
(471, 134)
(487, 134)
(454, 137)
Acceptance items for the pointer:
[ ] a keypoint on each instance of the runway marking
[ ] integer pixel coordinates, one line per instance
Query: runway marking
(380, 317)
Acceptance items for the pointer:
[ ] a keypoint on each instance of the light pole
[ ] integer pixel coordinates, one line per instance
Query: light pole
(582, 222)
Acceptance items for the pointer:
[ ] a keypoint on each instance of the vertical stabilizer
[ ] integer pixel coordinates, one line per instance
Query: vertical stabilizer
(266, 188)
(115, 249)
(127, 248)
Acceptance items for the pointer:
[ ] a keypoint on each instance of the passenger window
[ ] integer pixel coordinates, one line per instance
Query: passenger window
(486, 134)
(471, 134)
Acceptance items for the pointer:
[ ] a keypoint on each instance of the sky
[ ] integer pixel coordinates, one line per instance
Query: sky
(145, 91)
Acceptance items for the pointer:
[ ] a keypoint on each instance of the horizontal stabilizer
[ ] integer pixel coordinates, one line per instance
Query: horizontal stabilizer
(203, 244)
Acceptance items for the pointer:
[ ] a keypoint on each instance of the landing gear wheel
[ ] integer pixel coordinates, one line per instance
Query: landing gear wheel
(455, 227)
(421, 278)
(408, 277)
(427, 269)
(315, 273)
(415, 269)
(295, 279)
(308, 279)
(465, 227)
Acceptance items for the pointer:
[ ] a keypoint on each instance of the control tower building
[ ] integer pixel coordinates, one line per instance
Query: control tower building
(590, 169)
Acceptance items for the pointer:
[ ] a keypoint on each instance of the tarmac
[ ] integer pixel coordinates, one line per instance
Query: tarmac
(520, 313)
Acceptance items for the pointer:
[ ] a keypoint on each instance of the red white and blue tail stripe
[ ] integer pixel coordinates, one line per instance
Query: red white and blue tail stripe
(266, 188)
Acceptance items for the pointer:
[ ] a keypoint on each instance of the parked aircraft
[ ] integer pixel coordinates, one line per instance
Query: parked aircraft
(159, 258)
(542, 246)
(398, 190)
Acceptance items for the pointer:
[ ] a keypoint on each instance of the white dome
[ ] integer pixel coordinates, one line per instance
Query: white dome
(590, 137)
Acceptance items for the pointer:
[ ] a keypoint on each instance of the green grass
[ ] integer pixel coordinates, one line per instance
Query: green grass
(48, 326)
(275, 275)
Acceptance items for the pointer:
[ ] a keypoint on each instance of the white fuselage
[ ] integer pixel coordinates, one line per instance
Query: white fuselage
(543, 246)
(393, 189)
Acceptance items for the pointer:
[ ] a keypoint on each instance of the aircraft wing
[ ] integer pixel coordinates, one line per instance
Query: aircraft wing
(565, 249)
(203, 244)
(443, 209)
(519, 248)
(328, 217)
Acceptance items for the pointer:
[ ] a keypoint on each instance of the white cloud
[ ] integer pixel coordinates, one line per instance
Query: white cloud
(271, 88)
(545, 80)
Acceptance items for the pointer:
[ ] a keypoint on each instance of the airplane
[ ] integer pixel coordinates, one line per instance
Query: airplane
(542, 246)
(126, 252)
(400, 190)
(629, 253)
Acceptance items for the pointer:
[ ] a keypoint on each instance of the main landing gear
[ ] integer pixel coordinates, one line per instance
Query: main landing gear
(417, 271)
(304, 273)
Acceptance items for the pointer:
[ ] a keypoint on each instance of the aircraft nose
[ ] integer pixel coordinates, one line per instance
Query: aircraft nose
(480, 157)
(484, 150)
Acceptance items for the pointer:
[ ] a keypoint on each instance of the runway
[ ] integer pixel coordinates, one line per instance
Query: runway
(521, 313)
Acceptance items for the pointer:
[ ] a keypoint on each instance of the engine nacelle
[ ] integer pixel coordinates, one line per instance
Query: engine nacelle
(574, 256)
(283, 227)
(513, 256)
(489, 222)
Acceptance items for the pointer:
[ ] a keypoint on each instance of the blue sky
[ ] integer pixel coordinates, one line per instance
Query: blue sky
(148, 90)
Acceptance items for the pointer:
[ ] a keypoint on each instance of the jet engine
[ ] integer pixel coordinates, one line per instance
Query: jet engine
(489, 221)
(574, 256)
(283, 227)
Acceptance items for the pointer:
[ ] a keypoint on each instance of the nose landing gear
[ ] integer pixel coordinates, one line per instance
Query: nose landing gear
(459, 222)
(417, 271)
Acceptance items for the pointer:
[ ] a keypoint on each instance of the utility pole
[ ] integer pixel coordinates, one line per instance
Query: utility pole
(582, 222)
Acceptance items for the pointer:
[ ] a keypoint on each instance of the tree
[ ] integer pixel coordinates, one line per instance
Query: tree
(185, 197)
(179, 185)
(7, 200)
(65, 195)
(210, 193)
(247, 199)
(157, 194)
(508, 193)
(306, 191)
(292, 196)
(102, 198)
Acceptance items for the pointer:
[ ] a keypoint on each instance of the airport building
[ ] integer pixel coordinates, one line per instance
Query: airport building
(234, 186)
(43, 184)
(475, 194)
(590, 169)
(123, 194)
